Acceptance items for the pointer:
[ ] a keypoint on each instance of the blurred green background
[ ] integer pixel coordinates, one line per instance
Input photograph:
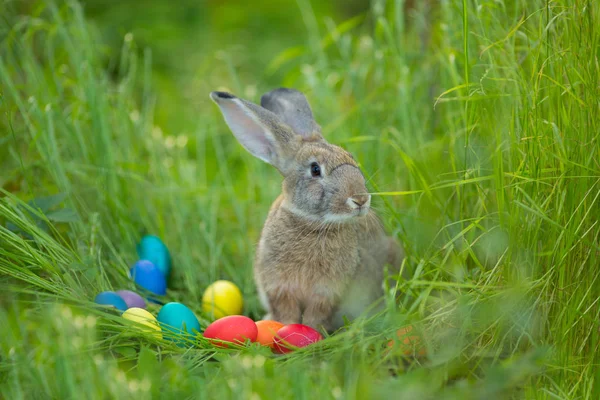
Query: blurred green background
(474, 121)
(196, 46)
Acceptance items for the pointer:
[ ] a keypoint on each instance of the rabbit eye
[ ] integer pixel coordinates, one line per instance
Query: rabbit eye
(315, 170)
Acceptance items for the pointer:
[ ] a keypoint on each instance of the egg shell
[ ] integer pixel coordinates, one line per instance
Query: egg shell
(408, 342)
(111, 299)
(234, 328)
(145, 319)
(132, 299)
(153, 249)
(222, 298)
(177, 318)
(295, 336)
(266, 331)
(145, 274)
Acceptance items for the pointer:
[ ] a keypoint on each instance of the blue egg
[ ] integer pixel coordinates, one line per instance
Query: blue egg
(177, 318)
(145, 274)
(151, 248)
(111, 299)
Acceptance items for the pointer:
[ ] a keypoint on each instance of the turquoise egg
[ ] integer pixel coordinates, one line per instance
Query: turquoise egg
(177, 318)
(151, 248)
(111, 299)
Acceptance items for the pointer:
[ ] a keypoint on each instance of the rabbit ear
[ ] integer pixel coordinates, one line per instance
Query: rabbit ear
(260, 131)
(293, 108)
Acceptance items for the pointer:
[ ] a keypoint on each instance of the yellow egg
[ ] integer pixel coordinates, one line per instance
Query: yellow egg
(144, 318)
(222, 298)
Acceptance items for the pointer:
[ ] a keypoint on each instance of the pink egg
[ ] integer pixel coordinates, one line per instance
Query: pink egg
(294, 336)
(234, 328)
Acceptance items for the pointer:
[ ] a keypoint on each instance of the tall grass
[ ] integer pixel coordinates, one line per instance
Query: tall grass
(475, 122)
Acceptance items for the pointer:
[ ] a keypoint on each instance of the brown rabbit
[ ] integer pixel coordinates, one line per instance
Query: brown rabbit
(322, 250)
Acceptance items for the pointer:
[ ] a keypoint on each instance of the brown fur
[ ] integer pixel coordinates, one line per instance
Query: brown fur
(304, 268)
(322, 250)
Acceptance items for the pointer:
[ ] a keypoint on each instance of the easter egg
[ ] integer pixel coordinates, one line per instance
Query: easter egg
(267, 331)
(145, 274)
(179, 319)
(222, 298)
(145, 319)
(151, 248)
(294, 336)
(408, 342)
(234, 328)
(132, 299)
(111, 299)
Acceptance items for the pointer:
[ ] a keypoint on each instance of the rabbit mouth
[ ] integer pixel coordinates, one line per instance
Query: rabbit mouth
(361, 212)
(341, 215)
(352, 215)
(355, 207)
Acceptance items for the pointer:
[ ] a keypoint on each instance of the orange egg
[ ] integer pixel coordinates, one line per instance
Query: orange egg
(266, 331)
(408, 344)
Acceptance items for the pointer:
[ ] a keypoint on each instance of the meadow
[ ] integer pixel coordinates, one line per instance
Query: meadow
(475, 122)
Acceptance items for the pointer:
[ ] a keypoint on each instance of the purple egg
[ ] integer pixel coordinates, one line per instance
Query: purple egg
(132, 299)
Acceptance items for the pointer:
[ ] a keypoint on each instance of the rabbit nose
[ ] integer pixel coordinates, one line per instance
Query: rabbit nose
(361, 199)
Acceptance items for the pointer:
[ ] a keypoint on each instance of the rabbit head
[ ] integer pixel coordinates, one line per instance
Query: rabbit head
(322, 182)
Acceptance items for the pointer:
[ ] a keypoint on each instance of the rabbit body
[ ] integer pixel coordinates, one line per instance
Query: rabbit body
(313, 274)
(322, 251)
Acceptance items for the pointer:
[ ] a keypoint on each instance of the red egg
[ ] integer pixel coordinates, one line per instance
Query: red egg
(234, 328)
(294, 336)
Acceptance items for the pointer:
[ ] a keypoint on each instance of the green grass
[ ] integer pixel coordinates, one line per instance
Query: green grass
(475, 121)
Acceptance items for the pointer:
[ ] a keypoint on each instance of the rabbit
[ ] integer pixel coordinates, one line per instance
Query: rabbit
(322, 250)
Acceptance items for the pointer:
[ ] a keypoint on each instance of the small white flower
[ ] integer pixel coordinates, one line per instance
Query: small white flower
(128, 37)
(182, 141)
(134, 116)
(90, 321)
(250, 91)
(337, 392)
(170, 142)
(259, 361)
(121, 378)
(66, 312)
(365, 43)
(145, 385)
(246, 362)
(79, 322)
(157, 133)
(307, 69)
(134, 386)
(378, 8)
